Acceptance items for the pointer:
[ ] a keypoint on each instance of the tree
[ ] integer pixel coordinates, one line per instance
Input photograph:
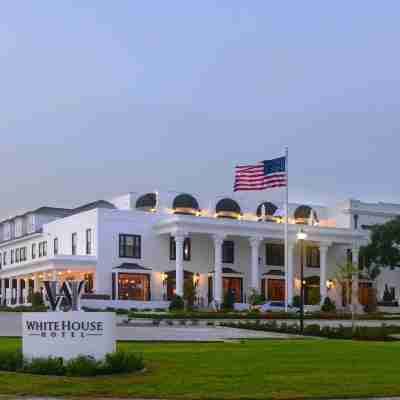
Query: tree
(344, 276)
(383, 250)
(384, 247)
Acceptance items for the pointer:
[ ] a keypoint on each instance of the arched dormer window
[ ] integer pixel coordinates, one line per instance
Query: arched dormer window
(266, 211)
(147, 202)
(228, 208)
(185, 204)
(305, 215)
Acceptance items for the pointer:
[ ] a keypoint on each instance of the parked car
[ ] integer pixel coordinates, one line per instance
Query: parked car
(277, 306)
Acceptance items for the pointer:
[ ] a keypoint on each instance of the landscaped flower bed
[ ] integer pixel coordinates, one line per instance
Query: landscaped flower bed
(114, 363)
(253, 315)
(379, 333)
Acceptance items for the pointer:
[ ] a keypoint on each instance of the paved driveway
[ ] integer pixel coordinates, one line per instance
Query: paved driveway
(10, 325)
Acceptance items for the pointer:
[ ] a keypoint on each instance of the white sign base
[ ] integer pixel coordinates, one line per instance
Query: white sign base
(68, 334)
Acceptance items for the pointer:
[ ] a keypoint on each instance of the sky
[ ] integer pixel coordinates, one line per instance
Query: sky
(103, 98)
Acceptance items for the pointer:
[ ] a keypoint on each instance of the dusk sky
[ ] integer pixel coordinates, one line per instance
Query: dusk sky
(102, 98)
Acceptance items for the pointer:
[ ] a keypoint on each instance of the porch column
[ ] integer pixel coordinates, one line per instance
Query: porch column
(19, 291)
(36, 283)
(179, 239)
(3, 291)
(290, 275)
(323, 252)
(54, 276)
(255, 273)
(354, 286)
(218, 240)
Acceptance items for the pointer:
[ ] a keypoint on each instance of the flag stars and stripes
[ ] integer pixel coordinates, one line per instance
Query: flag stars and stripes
(263, 175)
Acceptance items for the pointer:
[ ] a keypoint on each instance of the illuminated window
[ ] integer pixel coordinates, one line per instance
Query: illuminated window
(133, 286)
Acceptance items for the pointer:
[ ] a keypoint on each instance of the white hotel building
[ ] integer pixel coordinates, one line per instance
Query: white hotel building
(137, 250)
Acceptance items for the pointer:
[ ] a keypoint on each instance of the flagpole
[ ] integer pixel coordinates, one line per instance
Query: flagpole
(286, 227)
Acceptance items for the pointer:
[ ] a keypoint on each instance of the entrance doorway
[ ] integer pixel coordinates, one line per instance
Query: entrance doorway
(276, 290)
(171, 282)
(233, 284)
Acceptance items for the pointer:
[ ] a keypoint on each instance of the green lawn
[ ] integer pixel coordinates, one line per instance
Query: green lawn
(253, 370)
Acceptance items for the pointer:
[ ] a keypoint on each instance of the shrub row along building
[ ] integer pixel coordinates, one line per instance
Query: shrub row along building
(138, 251)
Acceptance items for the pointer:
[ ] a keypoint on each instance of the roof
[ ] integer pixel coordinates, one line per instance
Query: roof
(92, 206)
(227, 270)
(276, 272)
(148, 200)
(228, 205)
(63, 212)
(132, 266)
(185, 200)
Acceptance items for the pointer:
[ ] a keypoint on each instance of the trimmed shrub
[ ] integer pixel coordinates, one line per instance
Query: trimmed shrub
(229, 300)
(83, 366)
(296, 302)
(121, 361)
(45, 366)
(177, 304)
(313, 329)
(11, 360)
(328, 305)
(37, 300)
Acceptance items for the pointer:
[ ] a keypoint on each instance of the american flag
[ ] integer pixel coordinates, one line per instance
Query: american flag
(263, 175)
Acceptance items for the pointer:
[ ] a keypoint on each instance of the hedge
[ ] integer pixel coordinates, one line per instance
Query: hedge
(114, 363)
(378, 333)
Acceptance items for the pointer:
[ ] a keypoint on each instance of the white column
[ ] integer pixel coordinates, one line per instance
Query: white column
(255, 273)
(36, 287)
(323, 253)
(19, 291)
(290, 274)
(218, 296)
(3, 291)
(354, 287)
(179, 239)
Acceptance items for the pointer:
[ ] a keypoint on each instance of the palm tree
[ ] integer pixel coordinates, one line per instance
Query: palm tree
(345, 275)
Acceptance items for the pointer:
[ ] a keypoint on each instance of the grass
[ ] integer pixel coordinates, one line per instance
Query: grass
(265, 369)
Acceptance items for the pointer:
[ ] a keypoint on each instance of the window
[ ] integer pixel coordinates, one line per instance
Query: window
(1, 260)
(33, 251)
(88, 241)
(275, 254)
(42, 249)
(55, 246)
(89, 282)
(187, 249)
(228, 252)
(130, 246)
(74, 242)
(12, 257)
(5, 258)
(355, 218)
(17, 255)
(22, 254)
(312, 257)
(133, 287)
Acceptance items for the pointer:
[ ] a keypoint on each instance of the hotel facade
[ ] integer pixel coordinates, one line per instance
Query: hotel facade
(139, 250)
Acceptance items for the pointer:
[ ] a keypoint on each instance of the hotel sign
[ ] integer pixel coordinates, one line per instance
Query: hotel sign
(68, 335)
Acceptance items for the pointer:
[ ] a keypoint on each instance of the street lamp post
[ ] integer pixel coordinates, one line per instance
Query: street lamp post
(301, 237)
